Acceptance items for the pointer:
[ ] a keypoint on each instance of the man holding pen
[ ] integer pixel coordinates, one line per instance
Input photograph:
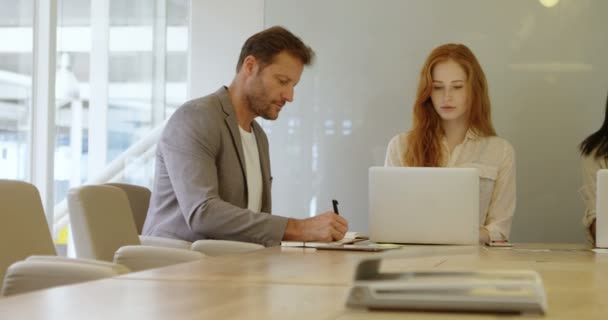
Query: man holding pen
(213, 177)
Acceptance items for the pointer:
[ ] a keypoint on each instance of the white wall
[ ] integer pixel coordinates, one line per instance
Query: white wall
(546, 69)
(218, 30)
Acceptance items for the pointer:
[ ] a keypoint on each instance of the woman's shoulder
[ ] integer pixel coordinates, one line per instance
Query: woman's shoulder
(399, 139)
(395, 150)
(499, 143)
(594, 162)
(496, 150)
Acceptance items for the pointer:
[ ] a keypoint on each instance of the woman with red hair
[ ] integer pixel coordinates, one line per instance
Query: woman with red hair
(452, 127)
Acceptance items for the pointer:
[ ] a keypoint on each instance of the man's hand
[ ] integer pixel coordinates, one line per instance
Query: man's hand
(484, 235)
(325, 227)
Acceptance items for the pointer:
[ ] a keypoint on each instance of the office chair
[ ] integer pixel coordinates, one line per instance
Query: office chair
(139, 200)
(104, 229)
(24, 234)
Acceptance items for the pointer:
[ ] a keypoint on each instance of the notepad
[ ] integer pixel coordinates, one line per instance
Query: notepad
(369, 247)
(349, 238)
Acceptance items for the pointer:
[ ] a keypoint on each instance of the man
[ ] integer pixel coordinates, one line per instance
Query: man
(213, 176)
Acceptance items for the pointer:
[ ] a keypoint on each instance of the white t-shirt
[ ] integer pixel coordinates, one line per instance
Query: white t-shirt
(254, 170)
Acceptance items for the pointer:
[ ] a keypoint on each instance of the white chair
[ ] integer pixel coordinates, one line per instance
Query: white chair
(104, 229)
(139, 200)
(224, 247)
(24, 233)
(35, 273)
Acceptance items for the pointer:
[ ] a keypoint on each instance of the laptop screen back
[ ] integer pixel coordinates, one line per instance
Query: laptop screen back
(424, 205)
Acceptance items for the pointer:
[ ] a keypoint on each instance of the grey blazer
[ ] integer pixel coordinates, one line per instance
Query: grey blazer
(200, 187)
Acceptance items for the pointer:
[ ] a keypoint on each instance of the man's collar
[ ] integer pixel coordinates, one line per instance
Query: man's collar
(224, 97)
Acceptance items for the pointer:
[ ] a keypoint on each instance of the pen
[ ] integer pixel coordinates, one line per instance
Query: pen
(334, 202)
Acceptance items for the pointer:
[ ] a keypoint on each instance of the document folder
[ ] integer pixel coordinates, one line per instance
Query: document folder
(474, 291)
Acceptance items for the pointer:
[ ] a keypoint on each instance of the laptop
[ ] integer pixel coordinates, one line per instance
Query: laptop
(424, 205)
(601, 210)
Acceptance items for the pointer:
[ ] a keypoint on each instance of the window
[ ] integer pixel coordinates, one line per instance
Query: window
(16, 32)
(136, 82)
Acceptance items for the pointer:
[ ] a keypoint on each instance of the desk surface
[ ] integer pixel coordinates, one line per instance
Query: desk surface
(295, 283)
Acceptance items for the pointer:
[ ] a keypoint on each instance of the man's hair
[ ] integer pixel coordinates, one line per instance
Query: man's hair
(266, 44)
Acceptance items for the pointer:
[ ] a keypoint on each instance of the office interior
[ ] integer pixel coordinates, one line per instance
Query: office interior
(86, 86)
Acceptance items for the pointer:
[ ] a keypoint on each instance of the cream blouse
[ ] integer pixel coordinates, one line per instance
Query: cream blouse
(590, 167)
(494, 157)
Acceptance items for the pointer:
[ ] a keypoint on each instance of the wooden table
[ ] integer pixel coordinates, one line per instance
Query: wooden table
(294, 283)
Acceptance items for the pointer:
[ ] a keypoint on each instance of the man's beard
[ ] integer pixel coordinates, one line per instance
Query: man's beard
(259, 102)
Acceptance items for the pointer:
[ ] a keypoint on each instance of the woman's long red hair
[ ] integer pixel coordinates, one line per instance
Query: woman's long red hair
(424, 139)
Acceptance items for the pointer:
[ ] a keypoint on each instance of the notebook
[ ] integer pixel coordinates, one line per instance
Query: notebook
(349, 238)
(424, 205)
(362, 246)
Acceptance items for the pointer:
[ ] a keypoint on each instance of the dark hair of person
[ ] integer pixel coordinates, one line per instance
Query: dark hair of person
(266, 44)
(597, 143)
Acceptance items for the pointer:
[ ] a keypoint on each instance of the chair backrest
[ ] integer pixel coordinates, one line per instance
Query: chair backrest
(211, 247)
(23, 227)
(101, 221)
(139, 200)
